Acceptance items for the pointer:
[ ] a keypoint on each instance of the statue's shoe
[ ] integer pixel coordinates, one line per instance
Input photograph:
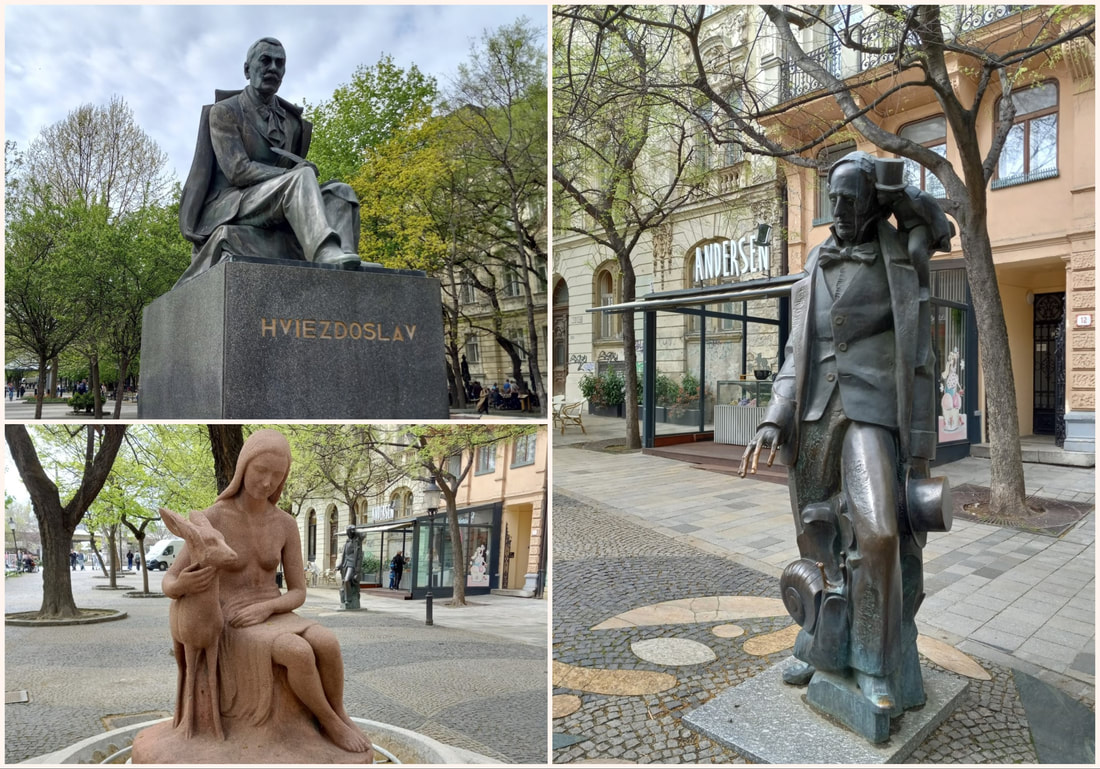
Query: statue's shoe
(798, 673)
(334, 256)
(877, 691)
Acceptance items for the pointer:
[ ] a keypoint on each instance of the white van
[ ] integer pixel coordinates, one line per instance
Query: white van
(163, 553)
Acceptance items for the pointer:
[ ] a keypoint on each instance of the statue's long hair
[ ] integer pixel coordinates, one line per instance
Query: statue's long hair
(260, 442)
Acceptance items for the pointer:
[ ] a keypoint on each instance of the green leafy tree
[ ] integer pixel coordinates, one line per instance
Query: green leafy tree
(379, 102)
(395, 185)
(49, 301)
(498, 107)
(85, 453)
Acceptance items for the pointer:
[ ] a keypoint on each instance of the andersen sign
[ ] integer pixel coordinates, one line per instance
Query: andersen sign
(731, 259)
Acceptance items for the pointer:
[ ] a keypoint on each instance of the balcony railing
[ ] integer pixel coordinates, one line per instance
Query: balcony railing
(977, 16)
(796, 82)
(884, 35)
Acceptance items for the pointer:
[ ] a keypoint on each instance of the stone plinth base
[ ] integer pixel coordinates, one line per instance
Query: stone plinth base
(275, 339)
(163, 744)
(769, 722)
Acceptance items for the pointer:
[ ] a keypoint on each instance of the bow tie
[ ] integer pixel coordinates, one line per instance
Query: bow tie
(864, 252)
(274, 115)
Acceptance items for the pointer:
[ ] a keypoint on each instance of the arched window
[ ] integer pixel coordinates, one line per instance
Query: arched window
(311, 536)
(608, 324)
(333, 537)
(402, 502)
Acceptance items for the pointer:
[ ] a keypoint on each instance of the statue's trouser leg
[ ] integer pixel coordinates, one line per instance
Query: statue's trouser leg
(816, 477)
(869, 460)
(342, 212)
(294, 198)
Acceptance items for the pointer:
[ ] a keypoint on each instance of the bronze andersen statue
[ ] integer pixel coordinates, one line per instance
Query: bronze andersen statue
(257, 682)
(350, 568)
(853, 415)
(251, 192)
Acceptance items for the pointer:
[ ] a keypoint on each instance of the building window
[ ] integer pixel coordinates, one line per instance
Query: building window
(401, 501)
(523, 451)
(931, 133)
(727, 324)
(1030, 152)
(826, 158)
(510, 284)
(518, 338)
(467, 291)
(608, 327)
(473, 349)
(486, 461)
(454, 465)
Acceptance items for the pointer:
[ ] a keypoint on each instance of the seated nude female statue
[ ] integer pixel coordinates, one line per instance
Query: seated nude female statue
(265, 648)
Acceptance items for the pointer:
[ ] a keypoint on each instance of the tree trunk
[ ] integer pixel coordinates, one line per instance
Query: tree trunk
(112, 542)
(40, 390)
(459, 594)
(93, 374)
(140, 537)
(123, 370)
(99, 555)
(630, 357)
(57, 586)
(1006, 487)
(226, 442)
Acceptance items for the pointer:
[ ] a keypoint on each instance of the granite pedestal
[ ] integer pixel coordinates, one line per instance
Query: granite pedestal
(275, 339)
(769, 722)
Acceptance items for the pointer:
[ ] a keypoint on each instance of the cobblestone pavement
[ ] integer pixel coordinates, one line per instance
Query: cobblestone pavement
(606, 563)
(1017, 598)
(474, 690)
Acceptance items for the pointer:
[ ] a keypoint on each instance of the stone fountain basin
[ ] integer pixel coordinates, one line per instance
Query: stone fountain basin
(408, 746)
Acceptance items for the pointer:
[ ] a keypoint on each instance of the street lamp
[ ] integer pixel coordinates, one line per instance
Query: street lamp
(431, 499)
(15, 541)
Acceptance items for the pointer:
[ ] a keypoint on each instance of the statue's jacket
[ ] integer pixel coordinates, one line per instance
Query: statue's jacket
(861, 368)
(232, 153)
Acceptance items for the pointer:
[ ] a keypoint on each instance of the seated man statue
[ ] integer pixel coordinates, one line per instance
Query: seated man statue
(853, 416)
(251, 192)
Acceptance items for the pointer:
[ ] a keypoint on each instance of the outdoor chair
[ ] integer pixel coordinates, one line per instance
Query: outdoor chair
(569, 414)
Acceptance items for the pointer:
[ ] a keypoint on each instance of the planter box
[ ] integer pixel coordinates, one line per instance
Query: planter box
(606, 411)
(660, 413)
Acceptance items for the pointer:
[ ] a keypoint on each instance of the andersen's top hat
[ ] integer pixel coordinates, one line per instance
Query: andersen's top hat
(889, 174)
(928, 504)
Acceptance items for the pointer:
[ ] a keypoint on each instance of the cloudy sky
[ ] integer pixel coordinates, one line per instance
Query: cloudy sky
(166, 61)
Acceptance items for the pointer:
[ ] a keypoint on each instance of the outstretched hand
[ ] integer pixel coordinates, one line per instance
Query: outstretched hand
(767, 437)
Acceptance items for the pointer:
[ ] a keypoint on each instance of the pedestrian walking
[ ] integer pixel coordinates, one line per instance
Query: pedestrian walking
(72, 559)
(129, 559)
(397, 565)
(80, 560)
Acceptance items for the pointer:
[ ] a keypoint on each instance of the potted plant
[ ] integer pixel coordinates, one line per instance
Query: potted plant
(604, 393)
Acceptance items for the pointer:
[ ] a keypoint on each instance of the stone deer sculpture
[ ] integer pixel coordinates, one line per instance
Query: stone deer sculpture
(196, 619)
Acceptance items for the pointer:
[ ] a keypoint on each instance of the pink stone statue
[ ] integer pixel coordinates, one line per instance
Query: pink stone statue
(276, 691)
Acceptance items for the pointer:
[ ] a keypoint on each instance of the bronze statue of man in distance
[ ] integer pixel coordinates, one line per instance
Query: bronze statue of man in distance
(251, 192)
(853, 415)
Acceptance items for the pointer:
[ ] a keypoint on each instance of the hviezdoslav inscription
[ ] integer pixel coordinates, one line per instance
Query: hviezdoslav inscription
(310, 328)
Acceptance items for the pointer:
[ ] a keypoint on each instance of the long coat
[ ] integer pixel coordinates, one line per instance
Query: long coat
(913, 361)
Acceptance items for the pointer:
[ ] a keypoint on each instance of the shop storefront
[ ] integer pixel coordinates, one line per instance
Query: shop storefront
(728, 407)
(430, 555)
